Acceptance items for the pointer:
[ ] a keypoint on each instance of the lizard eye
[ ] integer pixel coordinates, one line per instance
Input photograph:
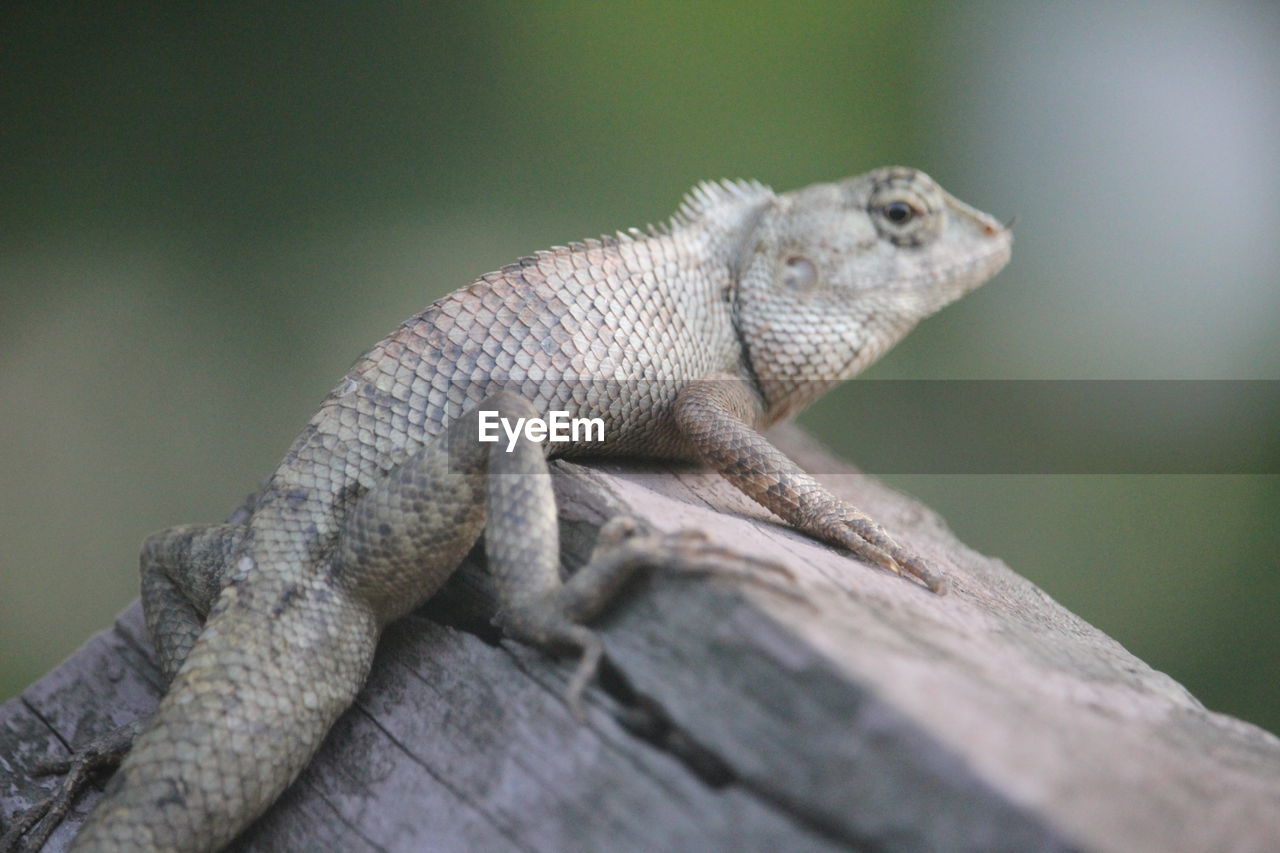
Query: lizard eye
(904, 216)
(799, 273)
(898, 212)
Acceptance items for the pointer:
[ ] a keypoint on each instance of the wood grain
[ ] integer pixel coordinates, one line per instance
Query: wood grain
(863, 713)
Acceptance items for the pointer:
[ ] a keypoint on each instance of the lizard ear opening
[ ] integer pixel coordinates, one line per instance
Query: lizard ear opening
(799, 274)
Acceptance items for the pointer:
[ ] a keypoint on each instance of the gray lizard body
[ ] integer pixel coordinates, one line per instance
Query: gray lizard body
(684, 340)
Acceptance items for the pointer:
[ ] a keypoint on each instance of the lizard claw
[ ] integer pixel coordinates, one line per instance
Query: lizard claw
(692, 553)
(592, 650)
(854, 531)
(32, 828)
(902, 563)
(53, 767)
(906, 564)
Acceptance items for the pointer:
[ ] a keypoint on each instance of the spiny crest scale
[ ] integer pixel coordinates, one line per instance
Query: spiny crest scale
(697, 203)
(710, 194)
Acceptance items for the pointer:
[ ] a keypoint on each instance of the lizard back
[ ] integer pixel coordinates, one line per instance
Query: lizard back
(605, 329)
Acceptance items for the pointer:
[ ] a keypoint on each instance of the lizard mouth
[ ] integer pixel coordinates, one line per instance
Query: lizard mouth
(940, 288)
(991, 262)
(963, 276)
(959, 277)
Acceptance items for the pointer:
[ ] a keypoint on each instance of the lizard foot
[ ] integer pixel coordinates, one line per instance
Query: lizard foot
(689, 552)
(32, 828)
(851, 529)
(624, 547)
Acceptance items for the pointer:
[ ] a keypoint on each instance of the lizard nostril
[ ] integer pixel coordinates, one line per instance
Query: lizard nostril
(991, 228)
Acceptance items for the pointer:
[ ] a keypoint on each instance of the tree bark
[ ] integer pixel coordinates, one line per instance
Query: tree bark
(857, 712)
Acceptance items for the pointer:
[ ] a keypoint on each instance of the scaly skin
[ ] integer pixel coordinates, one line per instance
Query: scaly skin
(685, 340)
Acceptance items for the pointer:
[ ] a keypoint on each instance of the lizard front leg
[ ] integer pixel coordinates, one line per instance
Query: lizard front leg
(522, 544)
(717, 415)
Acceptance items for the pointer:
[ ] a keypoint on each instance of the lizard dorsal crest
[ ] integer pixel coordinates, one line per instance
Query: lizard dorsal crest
(709, 195)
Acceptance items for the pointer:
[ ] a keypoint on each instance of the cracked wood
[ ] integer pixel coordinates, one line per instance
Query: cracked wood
(886, 718)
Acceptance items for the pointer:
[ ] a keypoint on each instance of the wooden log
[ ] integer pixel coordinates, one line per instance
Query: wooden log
(858, 712)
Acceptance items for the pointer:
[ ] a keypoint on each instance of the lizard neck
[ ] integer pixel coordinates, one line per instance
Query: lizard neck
(799, 348)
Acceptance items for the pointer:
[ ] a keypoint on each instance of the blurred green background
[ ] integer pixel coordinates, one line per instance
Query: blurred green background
(206, 216)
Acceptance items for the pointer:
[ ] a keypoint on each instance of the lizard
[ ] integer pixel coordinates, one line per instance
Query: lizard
(685, 340)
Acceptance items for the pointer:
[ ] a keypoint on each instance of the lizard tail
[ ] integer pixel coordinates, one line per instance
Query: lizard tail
(275, 666)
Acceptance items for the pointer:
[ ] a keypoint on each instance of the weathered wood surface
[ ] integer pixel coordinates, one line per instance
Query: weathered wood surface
(876, 716)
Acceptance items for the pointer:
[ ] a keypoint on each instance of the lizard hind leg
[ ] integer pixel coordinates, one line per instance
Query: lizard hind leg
(182, 569)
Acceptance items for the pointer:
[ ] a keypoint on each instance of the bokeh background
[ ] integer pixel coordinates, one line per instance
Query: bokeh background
(206, 216)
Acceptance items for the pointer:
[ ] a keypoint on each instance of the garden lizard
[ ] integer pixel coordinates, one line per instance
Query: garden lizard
(683, 340)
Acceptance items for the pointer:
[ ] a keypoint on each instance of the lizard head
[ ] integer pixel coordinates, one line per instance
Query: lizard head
(833, 275)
